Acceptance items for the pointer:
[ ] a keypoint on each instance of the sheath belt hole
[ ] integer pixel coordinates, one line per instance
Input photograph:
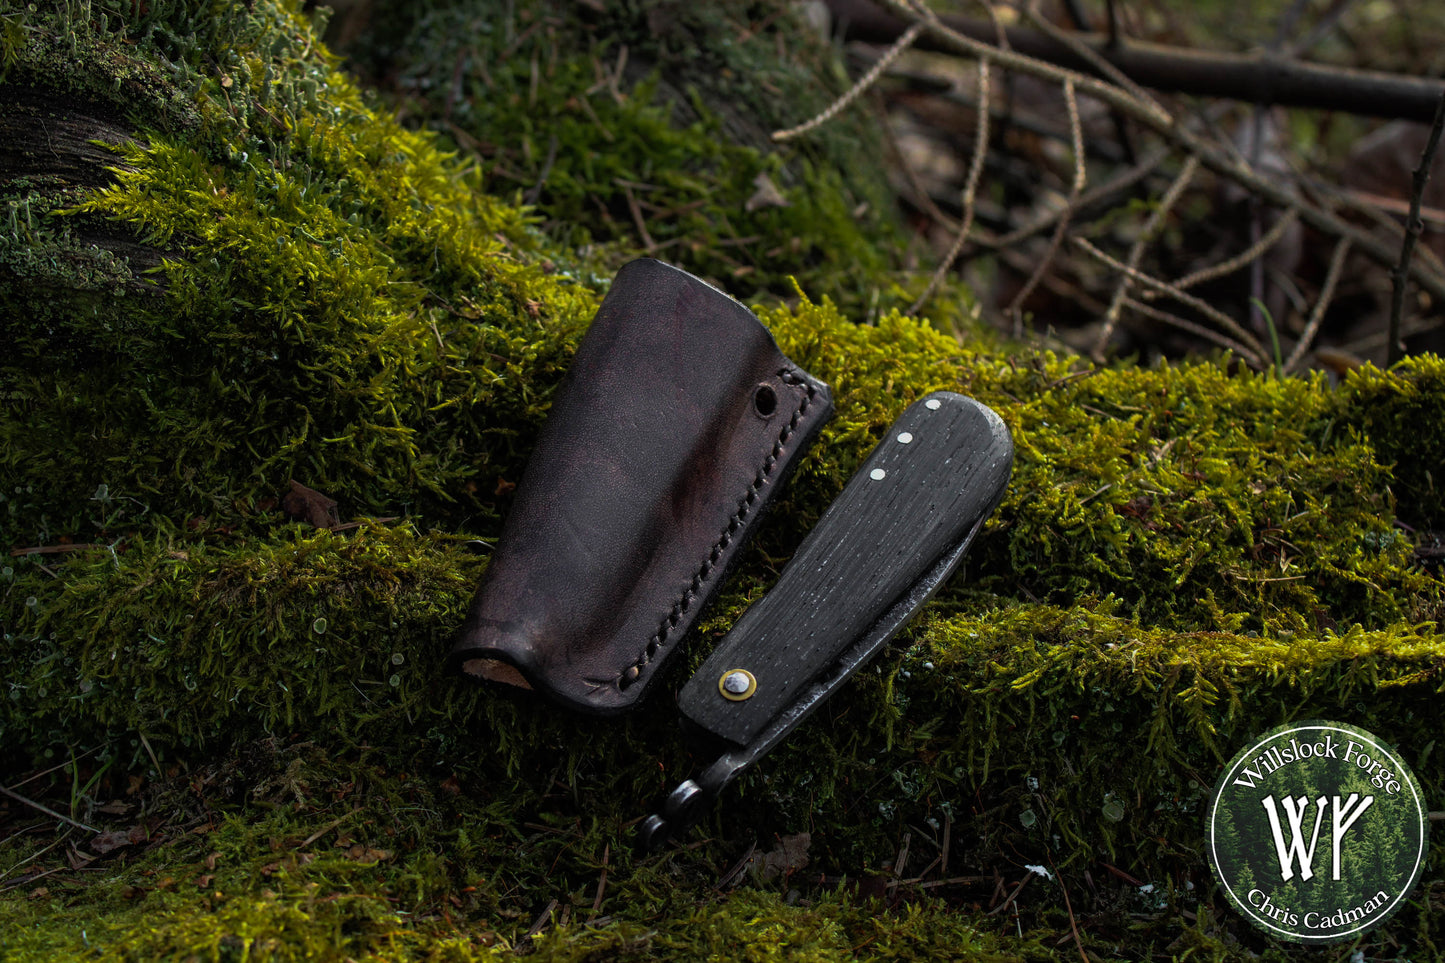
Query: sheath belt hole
(765, 401)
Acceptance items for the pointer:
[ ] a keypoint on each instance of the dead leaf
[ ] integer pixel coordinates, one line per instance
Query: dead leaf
(304, 504)
(116, 807)
(204, 880)
(109, 842)
(40, 892)
(789, 856)
(766, 195)
(366, 855)
(212, 859)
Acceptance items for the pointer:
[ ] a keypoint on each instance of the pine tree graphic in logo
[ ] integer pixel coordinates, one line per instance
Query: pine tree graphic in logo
(1317, 832)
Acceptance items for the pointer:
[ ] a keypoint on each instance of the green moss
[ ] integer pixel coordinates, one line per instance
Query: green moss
(1186, 556)
(302, 885)
(1198, 499)
(1400, 413)
(342, 305)
(660, 113)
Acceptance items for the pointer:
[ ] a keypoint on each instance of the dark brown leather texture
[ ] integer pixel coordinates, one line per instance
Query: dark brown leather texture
(675, 426)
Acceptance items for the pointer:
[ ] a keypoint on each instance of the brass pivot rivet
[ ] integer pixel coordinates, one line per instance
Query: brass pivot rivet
(737, 685)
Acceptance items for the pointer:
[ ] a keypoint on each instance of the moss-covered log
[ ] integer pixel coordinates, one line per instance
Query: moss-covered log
(260, 275)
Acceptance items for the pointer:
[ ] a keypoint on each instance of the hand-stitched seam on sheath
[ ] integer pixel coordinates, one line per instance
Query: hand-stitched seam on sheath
(745, 506)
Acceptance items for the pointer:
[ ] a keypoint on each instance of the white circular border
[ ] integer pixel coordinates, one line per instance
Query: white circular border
(1244, 756)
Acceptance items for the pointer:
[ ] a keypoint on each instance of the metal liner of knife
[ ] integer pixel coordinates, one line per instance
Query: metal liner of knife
(900, 528)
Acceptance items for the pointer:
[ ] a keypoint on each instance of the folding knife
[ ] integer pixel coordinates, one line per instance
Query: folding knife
(899, 529)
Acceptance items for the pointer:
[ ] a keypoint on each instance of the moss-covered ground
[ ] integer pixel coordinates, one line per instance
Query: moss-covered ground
(242, 722)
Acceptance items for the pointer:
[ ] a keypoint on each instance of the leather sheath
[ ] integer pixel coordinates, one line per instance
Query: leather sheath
(675, 426)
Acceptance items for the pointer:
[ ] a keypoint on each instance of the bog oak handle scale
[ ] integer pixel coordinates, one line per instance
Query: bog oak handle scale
(899, 529)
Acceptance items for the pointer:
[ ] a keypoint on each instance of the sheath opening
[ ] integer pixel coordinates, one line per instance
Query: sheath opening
(495, 670)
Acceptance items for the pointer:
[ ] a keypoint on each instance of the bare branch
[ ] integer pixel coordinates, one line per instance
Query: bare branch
(1204, 308)
(1332, 277)
(1199, 330)
(1093, 58)
(1251, 78)
(1136, 253)
(47, 810)
(1224, 268)
(1076, 134)
(970, 190)
(1211, 156)
(1120, 182)
(857, 90)
(1413, 227)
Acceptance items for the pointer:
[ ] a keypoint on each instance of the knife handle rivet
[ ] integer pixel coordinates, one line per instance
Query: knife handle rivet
(877, 474)
(737, 685)
(933, 404)
(905, 438)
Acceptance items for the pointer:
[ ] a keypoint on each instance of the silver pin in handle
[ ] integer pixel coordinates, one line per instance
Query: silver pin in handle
(900, 528)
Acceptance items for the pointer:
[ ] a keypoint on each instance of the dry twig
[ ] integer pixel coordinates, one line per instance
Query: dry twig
(601, 883)
(1114, 185)
(1413, 227)
(1209, 311)
(1248, 256)
(1076, 135)
(1219, 160)
(1199, 330)
(858, 89)
(1332, 277)
(1136, 253)
(970, 190)
(47, 810)
(1092, 57)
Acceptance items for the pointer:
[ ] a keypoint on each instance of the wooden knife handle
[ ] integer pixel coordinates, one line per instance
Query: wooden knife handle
(920, 496)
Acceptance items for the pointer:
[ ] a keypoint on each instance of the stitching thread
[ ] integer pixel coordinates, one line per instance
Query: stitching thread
(745, 505)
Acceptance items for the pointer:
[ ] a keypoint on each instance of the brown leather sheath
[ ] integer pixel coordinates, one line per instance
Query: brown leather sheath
(676, 425)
